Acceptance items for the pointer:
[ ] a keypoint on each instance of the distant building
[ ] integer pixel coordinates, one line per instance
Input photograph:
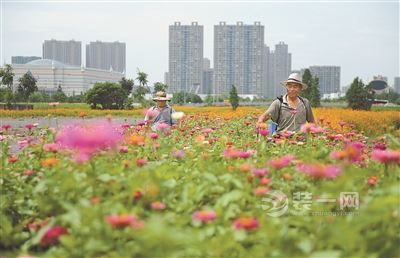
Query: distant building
(396, 84)
(279, 66)
(23, 59)
(239, 58)
(329, 78)
(66, 52)
(185, 63)
(379, 84)
(208, 74)
(73, 80)
(106, 56)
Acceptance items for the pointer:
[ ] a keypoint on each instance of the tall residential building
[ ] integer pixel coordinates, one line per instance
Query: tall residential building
(396, 84)
(185, 64)
(67, 52)
(280, 66)
(329, 78)
(238, 58)
(208, 74)
(106, 56)
(23, 59)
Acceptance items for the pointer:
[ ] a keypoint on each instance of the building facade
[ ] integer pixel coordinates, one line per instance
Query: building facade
(106, 56)
(329, 78)
(66, 52)
(238, 58)
(23, 59)
(73, 80)
(185, 63)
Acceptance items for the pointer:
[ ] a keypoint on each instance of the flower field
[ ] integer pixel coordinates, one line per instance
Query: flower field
(211, 186)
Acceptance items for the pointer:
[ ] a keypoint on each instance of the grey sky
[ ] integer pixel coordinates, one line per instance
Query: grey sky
(362, 38)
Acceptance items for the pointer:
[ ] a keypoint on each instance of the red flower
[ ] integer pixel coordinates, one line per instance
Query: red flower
(373, 180)
(281, 162)
(52, 235)
(141, 162)
(122, 221)
(246, 223)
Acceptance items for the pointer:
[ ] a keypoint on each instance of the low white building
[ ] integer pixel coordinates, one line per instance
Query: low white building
(73, 80)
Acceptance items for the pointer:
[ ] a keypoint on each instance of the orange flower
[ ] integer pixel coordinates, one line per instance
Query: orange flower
(49, 162)
(136, 140)
(82, 114)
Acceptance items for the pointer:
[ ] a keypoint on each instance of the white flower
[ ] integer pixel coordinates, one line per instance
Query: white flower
(177, 115)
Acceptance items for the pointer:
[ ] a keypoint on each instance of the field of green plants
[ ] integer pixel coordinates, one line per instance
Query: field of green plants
(207, 187)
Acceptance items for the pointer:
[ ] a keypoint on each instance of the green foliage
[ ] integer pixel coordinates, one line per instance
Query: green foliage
(27, 85)
(7, 78)
(359, 96)
(392, 96)
(233, 98)
(59, 95)
(183, 97)
(312, 92)
(127, 85)
(108, 95)
(159, 86)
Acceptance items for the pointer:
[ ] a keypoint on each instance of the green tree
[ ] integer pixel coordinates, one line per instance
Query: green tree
(36, 96)
(312, 92)
(182, 97)
(27, 85)
(59, 95)
(142, 88)
(108, 95)
(359, 96)
(159, 86)
(7, 78)
(233, 98)
(127, 85)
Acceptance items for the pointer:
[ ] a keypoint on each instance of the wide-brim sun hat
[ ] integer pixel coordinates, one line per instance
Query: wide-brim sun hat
(161, 95)
(296, 78)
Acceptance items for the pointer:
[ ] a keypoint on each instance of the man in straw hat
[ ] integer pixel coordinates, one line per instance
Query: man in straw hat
(290, 111)
(161, 112)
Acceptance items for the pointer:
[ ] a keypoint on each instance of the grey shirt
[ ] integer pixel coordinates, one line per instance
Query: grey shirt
(162, 115)
(290, 119)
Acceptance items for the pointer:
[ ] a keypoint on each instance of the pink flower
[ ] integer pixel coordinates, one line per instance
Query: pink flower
(86, 139)
(28, 172)
(233, 153)
(123, 149)
(246, 223)
(29, 126)
(386, 156)
(22, 144)
(122, 221)
(380, 146)
(207, 130)
(51, 147)
(141, 162)
(153, 135)
(6, 127)
(263, 132)
(151, 112)
(352, 152)
(52, 235)
(373, 180)
(162, 126)
(281, 162)
(259, 172)
(178, 154)
(320, 170)
(141, 123)
(311, 128)
(204, 216)
(158, 205)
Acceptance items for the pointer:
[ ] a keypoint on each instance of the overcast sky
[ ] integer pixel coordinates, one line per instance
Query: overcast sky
(361, 37)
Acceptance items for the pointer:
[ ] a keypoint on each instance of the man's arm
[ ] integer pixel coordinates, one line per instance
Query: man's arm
(261, 119)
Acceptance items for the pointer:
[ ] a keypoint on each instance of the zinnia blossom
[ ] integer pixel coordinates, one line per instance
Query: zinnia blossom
(52, 235)
(246, 223)
(386, 156)
(158, 205)
(320, 170)
(122, 221)
(281, 162)
(204, 216)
